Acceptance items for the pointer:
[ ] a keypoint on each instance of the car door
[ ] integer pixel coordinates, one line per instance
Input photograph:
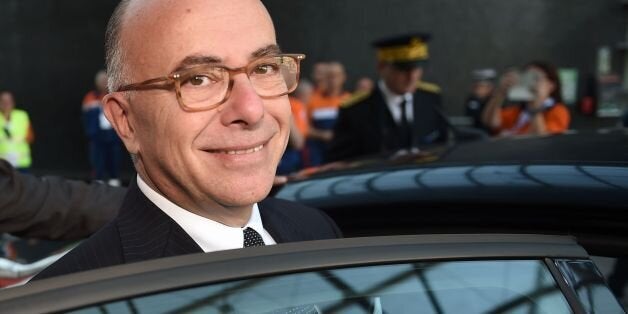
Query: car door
(409, 274)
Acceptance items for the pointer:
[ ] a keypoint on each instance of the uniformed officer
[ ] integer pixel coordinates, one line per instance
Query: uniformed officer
(402, 111)
(481, 91)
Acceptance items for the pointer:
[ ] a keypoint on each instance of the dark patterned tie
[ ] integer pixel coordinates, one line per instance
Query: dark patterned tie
(252, 238)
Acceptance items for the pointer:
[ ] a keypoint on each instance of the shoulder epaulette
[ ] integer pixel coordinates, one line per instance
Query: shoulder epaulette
(354, 99)
(428, 87)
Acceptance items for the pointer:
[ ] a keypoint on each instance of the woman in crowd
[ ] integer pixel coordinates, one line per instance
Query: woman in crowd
(542, 113)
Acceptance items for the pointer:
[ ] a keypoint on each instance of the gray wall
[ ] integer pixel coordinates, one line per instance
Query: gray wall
(50, 49)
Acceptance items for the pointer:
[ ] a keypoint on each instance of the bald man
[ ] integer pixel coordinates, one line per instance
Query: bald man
(200, 100)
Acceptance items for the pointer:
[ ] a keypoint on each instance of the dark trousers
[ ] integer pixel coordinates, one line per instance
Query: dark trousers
(105, 158)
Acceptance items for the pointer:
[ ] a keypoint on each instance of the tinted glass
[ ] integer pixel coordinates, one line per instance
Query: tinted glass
(589, 285)
(438, 287)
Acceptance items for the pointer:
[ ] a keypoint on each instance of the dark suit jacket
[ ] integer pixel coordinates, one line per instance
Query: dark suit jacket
(142, 231)
(366, 127)
(53, 207)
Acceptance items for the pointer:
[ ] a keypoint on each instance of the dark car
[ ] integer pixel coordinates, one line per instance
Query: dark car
(573, 184)
(497, 237)
(580, 187)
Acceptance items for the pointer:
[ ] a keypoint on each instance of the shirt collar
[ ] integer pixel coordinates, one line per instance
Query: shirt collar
(210, 235)
(392, 98)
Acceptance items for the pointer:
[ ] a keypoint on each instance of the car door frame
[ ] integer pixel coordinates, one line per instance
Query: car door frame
(150, 277)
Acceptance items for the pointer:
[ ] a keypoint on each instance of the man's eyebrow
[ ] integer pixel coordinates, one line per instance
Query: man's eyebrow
(266, 51)
(196, 60)
(193, 60)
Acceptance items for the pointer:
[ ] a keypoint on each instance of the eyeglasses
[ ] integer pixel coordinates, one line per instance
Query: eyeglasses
(207, 86)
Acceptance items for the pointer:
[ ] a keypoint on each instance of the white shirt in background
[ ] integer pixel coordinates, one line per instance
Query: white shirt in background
(394, 103)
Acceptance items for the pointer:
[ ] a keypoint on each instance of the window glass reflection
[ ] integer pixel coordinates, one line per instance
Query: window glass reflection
(435, 287)
(588, 283)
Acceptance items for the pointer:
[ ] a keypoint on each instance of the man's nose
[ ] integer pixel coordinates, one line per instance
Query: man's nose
(244, 106)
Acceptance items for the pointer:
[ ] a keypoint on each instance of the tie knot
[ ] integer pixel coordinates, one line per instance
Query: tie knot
(252, 238)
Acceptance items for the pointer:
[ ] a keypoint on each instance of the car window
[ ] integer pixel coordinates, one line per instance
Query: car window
(513, 286)
(588, 283)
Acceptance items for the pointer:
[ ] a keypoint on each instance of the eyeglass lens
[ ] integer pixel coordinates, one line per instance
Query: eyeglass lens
(208, 85)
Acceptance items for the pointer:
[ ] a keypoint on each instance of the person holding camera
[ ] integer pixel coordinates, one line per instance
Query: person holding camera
(528, 103)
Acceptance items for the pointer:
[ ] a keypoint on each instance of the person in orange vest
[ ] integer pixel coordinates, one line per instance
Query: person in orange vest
(295, 156)
(319, 76)
(537, 107)
(323, 111)
(16, 133)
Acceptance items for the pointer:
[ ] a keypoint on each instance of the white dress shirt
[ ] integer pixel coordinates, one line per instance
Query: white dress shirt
(394, 102)
(208, 234)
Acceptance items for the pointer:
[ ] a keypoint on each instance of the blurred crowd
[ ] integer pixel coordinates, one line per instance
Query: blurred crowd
(521, 101)
(396, 111)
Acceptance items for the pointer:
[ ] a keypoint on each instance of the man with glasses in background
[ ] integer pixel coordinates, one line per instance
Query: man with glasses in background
(200, 101)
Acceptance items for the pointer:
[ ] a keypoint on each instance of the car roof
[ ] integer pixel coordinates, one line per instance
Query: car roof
(565, 192)
(117, 282)
(601, 148)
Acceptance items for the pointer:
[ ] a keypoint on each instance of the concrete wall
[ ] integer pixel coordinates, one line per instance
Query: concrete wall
(50, 49)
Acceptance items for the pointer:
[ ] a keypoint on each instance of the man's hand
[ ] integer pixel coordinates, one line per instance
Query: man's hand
(280, 180)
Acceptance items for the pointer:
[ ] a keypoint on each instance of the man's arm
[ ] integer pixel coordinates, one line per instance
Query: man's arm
(492, 114)
(52, 207)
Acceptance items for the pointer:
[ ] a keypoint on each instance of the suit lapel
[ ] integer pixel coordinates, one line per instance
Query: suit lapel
(380, 107)
(427, 120)
(146, 232)
(278, 224)
(388, 137)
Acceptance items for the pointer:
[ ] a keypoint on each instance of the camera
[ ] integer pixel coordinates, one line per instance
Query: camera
(525, 89)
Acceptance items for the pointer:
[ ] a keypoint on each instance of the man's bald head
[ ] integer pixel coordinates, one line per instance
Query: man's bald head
(115, 51)
(215, 162)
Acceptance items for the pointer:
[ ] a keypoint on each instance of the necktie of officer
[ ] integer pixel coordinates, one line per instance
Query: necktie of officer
(252, 238)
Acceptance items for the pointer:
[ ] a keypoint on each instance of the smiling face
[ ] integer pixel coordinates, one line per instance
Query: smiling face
(208, 162)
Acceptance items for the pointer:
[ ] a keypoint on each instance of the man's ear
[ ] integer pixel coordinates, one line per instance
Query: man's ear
(116, 109)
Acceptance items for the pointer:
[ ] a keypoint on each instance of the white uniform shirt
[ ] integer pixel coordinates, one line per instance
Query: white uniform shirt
(394, 102)
(208, 234)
